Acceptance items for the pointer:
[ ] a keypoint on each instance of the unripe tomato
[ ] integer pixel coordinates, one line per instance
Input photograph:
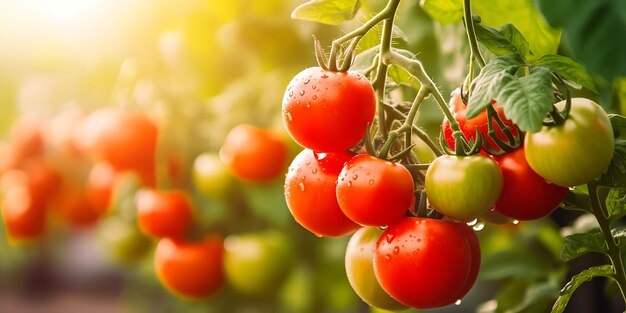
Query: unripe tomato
(463, 188)
(576, 151)
(254, 154)
(211, 176)
(163, 213)
(122, 240)
(374, 192)
(360, 270)
(426, 263)
(310, 193)
(525, 195)
(190, 269)
(257, 263)
(328, 111)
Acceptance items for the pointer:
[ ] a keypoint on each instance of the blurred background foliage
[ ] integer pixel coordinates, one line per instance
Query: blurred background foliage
(199, 68)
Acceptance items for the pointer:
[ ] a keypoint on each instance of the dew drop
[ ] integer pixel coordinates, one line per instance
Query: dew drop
(298, 102)
(478, 227)
(572, 188)
(314, 86)
(349, 184)
(299, 170)
(355, 176)
(301, 185)
(291, 93)
(307, 81)
(314, 97)
(308, 104)
(314, 171)
(371, 182)
(457, 302)
(396, 250)
(419, 239)
(389, 237)
(302, 92)
(288, 117)
(307, 163)
(387, 257)
(472, 222)
(515, 222)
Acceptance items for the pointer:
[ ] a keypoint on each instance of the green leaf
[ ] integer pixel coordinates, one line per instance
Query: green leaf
(616, 174)
(486, 83)
(566, 293)
(569, 69)
(616, 203)
(593, 31)
(505, 41)
(578, 199)
(332, 12)
(538, 292)
(579, 244)
(526, 100)
(444, 11)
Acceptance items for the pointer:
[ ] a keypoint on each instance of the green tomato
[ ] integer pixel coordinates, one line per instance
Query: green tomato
(122, 240)
(211, 176)
(576, 151)
(257, 263)
(463, 188)
(360, 270)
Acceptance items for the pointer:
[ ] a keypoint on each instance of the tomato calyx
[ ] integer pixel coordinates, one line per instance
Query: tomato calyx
(557, 117)
(340, 58)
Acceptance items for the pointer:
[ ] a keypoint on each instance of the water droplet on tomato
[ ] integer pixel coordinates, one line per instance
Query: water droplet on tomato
(291, 93)
(457, 302)
(349, 184)
(314, 86)
(301, 185)
(419, 239)
(396, 250)
(515, 222)
(299, 170)
(314, 97)
(472, 222)
(308, 104)
(371, 181)
(355, 176)
(478, 227)
(389, 237)
(288, 117)
(307, 81)
(572, 188)
(387, 257)
(314, 171)
(302, 92)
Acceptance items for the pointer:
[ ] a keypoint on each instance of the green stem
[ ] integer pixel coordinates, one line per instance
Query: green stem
(614, 253)
(421, 134)
(471, 34)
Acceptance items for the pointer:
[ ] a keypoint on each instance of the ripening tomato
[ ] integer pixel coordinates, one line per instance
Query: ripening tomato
(525, 195)
(73, 206)
(27, 137)
(426, 263)
(463, 188)
(190, 269)
(126, 140)
(359, 261)
(163, 213)
(254, 154)
(211, 176)
(373, 191)
(480, 122)
(100, 184)
(310, 193)
(44, 179)
(257, 263)
(122, 240)
(576, 151)
(328, 111)
(23, 213)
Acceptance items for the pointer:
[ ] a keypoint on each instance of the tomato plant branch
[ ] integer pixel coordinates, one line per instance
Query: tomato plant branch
(471, 34)
(421, 134)
(407, 126)
(614, 254)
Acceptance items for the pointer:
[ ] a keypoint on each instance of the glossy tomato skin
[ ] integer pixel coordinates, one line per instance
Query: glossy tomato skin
(359, 262)
(423, 263)
(474, 245)
(525, 195)
(463, 188)
(254, 154)
(190, 269)
(480, 122)
(328, 111)
(575, 152)
(310, 193)
(373, 191)
(256, 264)
(163, 213)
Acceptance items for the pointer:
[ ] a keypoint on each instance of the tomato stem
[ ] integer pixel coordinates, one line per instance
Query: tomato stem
(471, 34)
(407, 125)
(614, 254)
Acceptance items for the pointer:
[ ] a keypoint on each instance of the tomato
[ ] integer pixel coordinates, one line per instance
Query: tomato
(43, 178)
(525, 195)
(575, 152)
(190, 269)
(254, 154)
(426, 263)
(126, 140)
(163, 213)
(211, 176)
(100, 184)
(468, 127)
(360, 270)
(374, 192)
(310, 193)
(463, 188)
(328, 111)
(23, 213)
(27, 137)
(73, 206)
(122, 240)
(257, 263)
(9, 159)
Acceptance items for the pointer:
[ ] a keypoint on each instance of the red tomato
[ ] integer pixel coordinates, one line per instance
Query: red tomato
(73, 206)
(468, 127)
(374, 192)
(426, 263)
(126, 140)
(328, 111)
(310, 193)
(100, 185)
(27, 137)
(163, 213)
(190, 269)
(23, 213)
(525, 195)
(44, 179)
(254, 154)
